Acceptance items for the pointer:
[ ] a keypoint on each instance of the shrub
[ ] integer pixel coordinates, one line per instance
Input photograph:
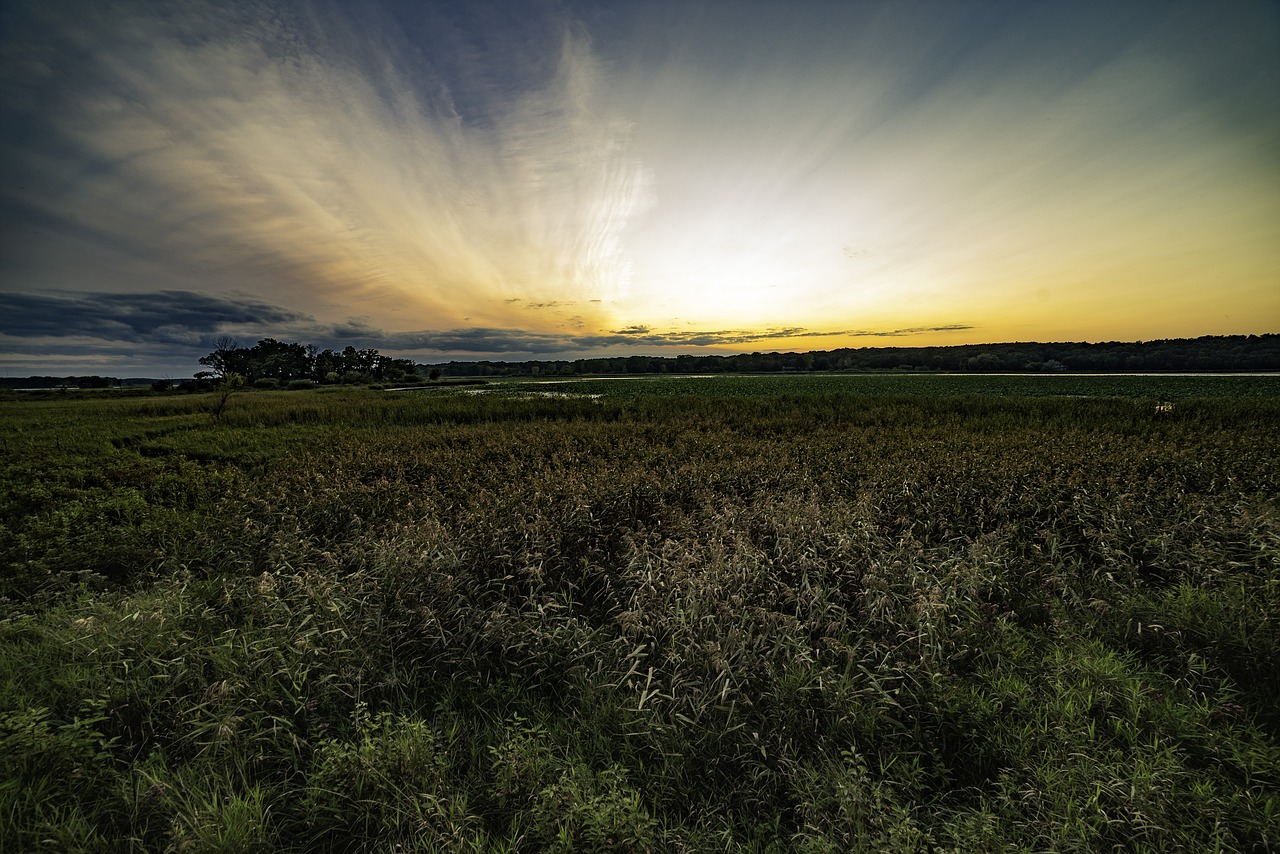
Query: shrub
(392, 782)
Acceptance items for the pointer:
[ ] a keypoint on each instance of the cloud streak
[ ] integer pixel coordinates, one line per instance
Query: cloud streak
(331, 160)
(524, 341)
(971, 154)
(169, 323)
(540, 176)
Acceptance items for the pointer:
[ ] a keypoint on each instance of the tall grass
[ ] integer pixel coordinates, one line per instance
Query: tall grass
(823, 622)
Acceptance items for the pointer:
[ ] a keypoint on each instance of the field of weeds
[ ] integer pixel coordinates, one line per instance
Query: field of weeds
(791, 618)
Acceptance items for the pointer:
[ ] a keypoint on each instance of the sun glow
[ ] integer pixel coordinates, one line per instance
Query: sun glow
(442, 179)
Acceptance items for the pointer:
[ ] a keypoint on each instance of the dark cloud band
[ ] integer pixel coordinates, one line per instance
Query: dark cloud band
(173, 316)
(178, 324)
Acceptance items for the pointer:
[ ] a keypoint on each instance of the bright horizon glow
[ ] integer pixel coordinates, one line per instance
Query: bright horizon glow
(511, 181)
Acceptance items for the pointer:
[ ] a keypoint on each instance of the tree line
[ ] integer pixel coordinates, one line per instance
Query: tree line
(272, 363)
(59, 382)
(1207, 353)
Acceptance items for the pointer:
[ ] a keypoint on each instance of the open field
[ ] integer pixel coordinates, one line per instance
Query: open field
(1166, 387)
(826, 613)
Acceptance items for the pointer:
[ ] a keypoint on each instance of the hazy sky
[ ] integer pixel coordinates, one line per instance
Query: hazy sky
(558, 179)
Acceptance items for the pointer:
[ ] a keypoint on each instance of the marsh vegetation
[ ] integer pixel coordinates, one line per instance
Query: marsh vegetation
(684, 616)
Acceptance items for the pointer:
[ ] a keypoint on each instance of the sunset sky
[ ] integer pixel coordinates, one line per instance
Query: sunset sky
(517, 180)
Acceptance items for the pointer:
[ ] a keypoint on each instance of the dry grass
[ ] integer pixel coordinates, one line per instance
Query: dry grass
(820, 622)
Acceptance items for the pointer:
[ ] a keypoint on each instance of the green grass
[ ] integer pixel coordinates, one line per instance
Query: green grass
(1160, 388)
(758, 613)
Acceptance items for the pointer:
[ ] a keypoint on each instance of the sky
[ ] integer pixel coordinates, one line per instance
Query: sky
(559, 179)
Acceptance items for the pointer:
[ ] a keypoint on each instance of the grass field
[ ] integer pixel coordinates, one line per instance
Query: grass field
(829, 613)
(1168, 387)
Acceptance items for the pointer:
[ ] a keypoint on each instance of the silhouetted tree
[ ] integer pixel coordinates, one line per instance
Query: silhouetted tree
(225, 357)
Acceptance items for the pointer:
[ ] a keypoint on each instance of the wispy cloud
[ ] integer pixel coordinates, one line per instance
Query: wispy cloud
(524, 341)
(423, 168)
(180, 326)
(913, 161)
(684, 338)
(538, 176)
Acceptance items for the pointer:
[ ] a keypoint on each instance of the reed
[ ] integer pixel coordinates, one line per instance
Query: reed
(821, 620)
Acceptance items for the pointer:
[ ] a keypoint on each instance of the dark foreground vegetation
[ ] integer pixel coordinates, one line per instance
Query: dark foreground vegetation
(808, 620)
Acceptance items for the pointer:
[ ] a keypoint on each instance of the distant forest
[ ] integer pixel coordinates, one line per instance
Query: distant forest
(1209, 353)
(272, 362)
(63, 382)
